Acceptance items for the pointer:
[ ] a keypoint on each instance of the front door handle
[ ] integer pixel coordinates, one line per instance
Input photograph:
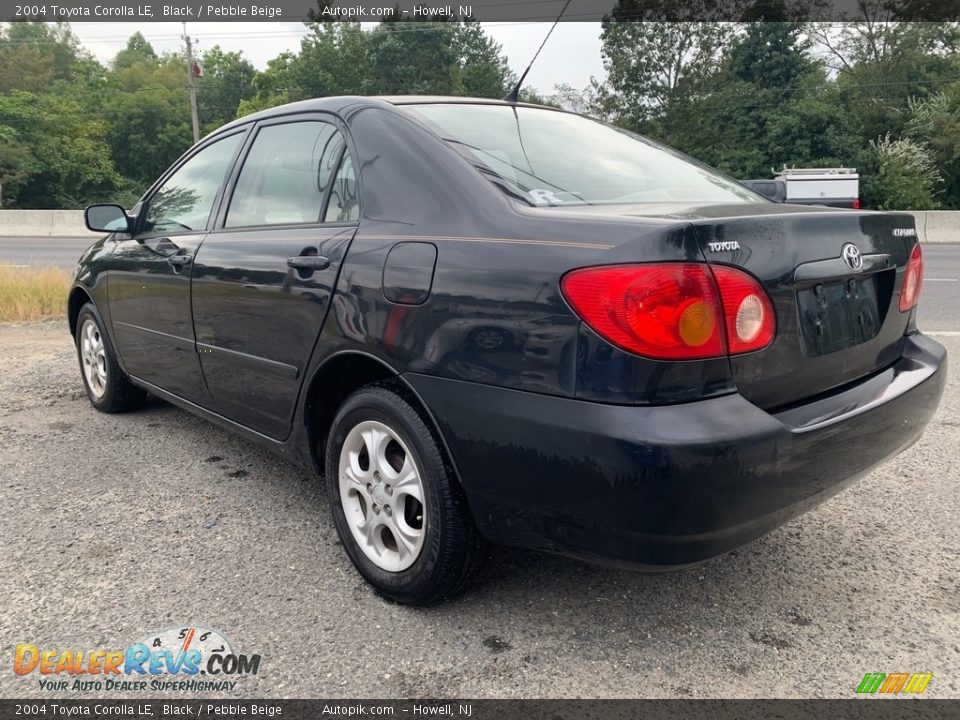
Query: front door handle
(180, 261)
(309, 262)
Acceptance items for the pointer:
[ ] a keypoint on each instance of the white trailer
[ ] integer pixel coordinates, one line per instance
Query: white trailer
(835, 187)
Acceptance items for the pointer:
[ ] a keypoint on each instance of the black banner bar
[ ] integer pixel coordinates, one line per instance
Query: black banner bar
(858, 709)
(483, 10)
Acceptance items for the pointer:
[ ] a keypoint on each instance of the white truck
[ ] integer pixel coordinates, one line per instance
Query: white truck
(833, 187)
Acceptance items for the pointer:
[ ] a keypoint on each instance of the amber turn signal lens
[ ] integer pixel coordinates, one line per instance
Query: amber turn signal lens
(697, 323)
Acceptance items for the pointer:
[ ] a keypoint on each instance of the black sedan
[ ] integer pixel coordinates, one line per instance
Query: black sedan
(489, 321)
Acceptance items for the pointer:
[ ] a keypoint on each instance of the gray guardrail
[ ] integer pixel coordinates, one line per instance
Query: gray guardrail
(43, 223)
(938, 226)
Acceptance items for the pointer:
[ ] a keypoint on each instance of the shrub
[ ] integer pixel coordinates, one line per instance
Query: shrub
(900, 174)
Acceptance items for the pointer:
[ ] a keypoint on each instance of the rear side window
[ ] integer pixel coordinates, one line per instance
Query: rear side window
(286, 175)
(344, 205)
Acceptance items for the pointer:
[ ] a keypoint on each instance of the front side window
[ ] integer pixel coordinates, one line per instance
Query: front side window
(184, 201)
(556, 158)
(286, 175)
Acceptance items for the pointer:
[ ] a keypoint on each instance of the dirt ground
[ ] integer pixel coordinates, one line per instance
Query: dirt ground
(116, 526)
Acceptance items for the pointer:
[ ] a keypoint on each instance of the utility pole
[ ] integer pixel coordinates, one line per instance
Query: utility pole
(192, 85)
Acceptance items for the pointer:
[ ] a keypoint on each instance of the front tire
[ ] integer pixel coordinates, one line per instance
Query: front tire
(108, 388)
(399, 510)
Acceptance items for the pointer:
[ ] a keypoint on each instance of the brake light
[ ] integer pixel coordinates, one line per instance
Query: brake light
(912, 280)
(746, 309)
(673, 311)
(856, 203)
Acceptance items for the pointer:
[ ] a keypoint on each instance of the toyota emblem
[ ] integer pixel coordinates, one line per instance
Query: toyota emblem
(852, 257)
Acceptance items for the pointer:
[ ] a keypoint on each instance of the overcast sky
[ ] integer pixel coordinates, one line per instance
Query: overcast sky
(571, 56)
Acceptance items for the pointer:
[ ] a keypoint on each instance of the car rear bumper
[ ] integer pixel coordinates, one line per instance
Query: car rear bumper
(666, 486)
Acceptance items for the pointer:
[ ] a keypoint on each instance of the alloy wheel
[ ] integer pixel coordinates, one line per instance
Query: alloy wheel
(93, 355)
(381, 490)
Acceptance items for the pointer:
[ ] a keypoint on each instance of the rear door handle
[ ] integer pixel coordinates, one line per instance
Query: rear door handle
(180, 261)
(309, 262)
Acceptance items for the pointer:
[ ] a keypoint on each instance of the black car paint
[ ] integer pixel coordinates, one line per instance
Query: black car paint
(562, 441)
(672, 485)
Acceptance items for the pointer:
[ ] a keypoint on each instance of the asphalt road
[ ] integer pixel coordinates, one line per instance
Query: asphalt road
(938, 301)
(115, 526)
(940, 295)
(58, 251)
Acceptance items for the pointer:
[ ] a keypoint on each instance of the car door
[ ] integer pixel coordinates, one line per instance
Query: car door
(149, 284)
(263, 279)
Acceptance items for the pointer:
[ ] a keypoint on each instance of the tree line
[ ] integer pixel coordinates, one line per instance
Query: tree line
(747, 98)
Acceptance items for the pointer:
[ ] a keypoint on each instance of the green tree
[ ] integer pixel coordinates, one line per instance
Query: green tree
(52, 153)
(443, 57)
(137, 50)
(227, 81)
(414, 58)
(148, 117)
(532, 95)
(570, 98)
(272, 86)
(34, 54)
(482, 65)
(652, 67)
(17, 164)
(52, 141)
(935, 122)
(768, 105)
(880, 65)
(333, 60)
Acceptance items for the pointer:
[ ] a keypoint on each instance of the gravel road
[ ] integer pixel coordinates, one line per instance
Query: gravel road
(114, 526)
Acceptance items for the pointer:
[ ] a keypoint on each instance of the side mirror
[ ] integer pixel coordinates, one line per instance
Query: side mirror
(107, 218)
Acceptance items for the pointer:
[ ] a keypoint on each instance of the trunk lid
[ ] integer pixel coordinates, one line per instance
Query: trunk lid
(834, 280)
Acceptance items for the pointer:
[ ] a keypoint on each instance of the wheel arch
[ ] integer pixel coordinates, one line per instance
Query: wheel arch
(336, 379)
(79, 296)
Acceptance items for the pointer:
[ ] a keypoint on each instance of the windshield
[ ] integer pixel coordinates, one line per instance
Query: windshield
(555, 158)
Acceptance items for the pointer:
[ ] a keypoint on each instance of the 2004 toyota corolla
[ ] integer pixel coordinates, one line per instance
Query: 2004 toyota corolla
(487, 321)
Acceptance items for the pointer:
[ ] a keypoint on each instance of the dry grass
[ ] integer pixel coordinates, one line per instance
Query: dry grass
(33, 293)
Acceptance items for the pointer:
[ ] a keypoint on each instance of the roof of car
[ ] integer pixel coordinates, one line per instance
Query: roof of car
(446, 100)
(341, 103)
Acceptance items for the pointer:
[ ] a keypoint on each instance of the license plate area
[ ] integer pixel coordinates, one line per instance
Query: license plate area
(839, 314)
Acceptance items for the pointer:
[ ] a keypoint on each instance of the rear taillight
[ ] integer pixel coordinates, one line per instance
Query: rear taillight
(747, 311)
(673, 311)
(912, 280)
(856, 203)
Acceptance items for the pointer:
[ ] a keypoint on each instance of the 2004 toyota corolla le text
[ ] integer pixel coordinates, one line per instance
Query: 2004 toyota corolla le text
(484, 321)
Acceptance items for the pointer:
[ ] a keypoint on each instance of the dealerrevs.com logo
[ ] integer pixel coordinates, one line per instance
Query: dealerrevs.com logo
(188, 659)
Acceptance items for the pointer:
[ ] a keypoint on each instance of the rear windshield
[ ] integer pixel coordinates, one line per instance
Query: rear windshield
(556, 158)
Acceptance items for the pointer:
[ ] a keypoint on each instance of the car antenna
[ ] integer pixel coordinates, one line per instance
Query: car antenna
(514, 95)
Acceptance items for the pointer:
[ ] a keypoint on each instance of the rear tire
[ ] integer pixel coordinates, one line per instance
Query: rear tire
(398, 507)
(107, 386)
